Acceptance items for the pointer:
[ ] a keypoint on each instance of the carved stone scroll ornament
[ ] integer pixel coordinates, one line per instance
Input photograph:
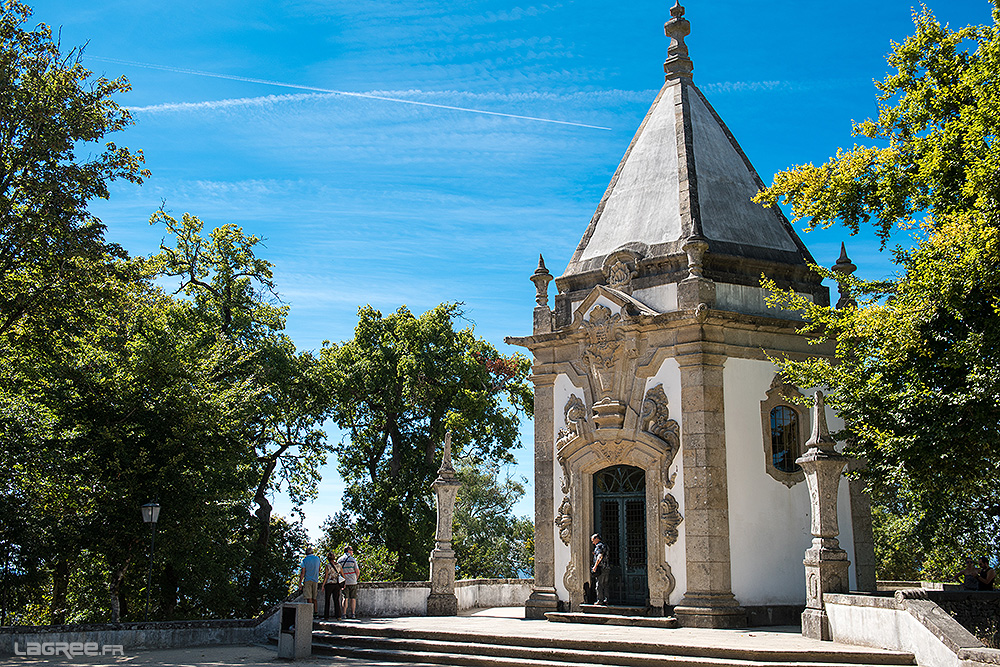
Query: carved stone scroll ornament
(573, 413)
(656, 421)
(662, 579)
(570, 578)
(565, 521)
(670, 519)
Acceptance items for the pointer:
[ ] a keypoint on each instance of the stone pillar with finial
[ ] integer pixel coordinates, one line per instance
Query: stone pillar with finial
(678, 64)
(825, 562)
(442, 600)
(696, 289)
(543, 315)
(845, 267)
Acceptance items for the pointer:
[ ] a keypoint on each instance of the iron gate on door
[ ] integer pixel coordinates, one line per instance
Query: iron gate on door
(620, 518)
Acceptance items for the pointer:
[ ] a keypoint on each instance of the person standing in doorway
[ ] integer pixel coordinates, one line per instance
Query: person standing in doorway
(332, 584)
(309, 577)
(600, 569)
(351, 572)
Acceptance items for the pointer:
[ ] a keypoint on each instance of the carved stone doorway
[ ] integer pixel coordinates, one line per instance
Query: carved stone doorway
(620, 518)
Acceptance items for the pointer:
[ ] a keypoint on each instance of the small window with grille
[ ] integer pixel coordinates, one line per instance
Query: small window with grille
(784, 438)
(782, 419)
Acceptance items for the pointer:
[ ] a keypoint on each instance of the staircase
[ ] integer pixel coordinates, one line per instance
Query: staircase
(454, 648)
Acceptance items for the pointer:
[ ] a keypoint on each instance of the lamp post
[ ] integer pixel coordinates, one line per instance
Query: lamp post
(150, 513)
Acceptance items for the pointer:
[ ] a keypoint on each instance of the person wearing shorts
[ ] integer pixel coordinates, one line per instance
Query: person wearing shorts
(309, 576)
(351, 571)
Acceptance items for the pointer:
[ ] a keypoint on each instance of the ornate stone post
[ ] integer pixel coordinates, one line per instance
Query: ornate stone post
(442, 600)
(825, 562)
(542, 315)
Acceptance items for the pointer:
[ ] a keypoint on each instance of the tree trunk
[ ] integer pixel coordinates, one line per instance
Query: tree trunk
(169, 582)
(114, 590)
(254, 591)
(60, 582)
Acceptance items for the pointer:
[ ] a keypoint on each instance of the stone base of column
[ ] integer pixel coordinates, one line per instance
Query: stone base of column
(541, 601)
(442, 604)
(816, 624)
(710, 610)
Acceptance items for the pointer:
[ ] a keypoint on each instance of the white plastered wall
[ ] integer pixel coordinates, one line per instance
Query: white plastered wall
(662, 298)
(669, 375)
(768, 522)
(561, 392)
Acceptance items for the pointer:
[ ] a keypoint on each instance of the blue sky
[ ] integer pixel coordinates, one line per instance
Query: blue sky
(371, 201)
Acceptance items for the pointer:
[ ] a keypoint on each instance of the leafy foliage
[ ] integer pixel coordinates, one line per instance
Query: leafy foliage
(398, 385)
(938, 118)
(489, 541)
(51, 110)
(916, 369)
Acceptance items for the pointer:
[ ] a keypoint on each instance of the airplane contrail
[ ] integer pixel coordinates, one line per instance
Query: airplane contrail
(234, 77)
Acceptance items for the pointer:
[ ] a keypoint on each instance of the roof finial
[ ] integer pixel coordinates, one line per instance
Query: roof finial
(677, 64)
(541, 277)
(845, 267)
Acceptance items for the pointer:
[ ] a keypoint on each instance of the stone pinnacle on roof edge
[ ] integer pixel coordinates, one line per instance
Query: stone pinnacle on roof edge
(678, 64)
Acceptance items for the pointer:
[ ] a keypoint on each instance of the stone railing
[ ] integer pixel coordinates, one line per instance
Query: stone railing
(908, 621)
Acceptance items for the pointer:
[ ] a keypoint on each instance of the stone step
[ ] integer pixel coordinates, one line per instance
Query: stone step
(612, 619)
(480, 655)
(615, 610)
(467, 648)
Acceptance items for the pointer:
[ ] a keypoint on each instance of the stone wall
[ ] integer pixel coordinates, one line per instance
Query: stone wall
(375, 599)
(409, 598)
(977, 611)
(168, 634)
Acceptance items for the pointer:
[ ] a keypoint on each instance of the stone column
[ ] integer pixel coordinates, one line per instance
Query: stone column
(709, 601)
(543, 595)
(442, 600)
(825, 562)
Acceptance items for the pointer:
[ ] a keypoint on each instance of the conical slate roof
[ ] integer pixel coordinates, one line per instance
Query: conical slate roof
(684, 175)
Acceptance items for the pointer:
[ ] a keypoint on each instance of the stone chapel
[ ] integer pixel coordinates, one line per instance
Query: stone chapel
(659, 420)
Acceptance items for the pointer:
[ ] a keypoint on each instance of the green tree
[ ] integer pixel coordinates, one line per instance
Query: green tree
(489, 541)
(282, 394)
(398, 385)
(916, 369)
(51, 113)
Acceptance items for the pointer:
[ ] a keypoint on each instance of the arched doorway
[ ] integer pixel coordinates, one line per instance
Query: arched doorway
(620, 518)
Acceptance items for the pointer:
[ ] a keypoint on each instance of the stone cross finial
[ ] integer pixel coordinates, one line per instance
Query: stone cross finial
(446, 465)
(541, 277)
(821, 438)
(678, 64)
(845, 267)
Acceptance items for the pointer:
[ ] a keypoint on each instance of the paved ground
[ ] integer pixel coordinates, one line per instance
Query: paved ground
(502, 621)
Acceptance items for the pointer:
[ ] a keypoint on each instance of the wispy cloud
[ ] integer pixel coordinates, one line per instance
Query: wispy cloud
(370, 96)
(726, 87)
